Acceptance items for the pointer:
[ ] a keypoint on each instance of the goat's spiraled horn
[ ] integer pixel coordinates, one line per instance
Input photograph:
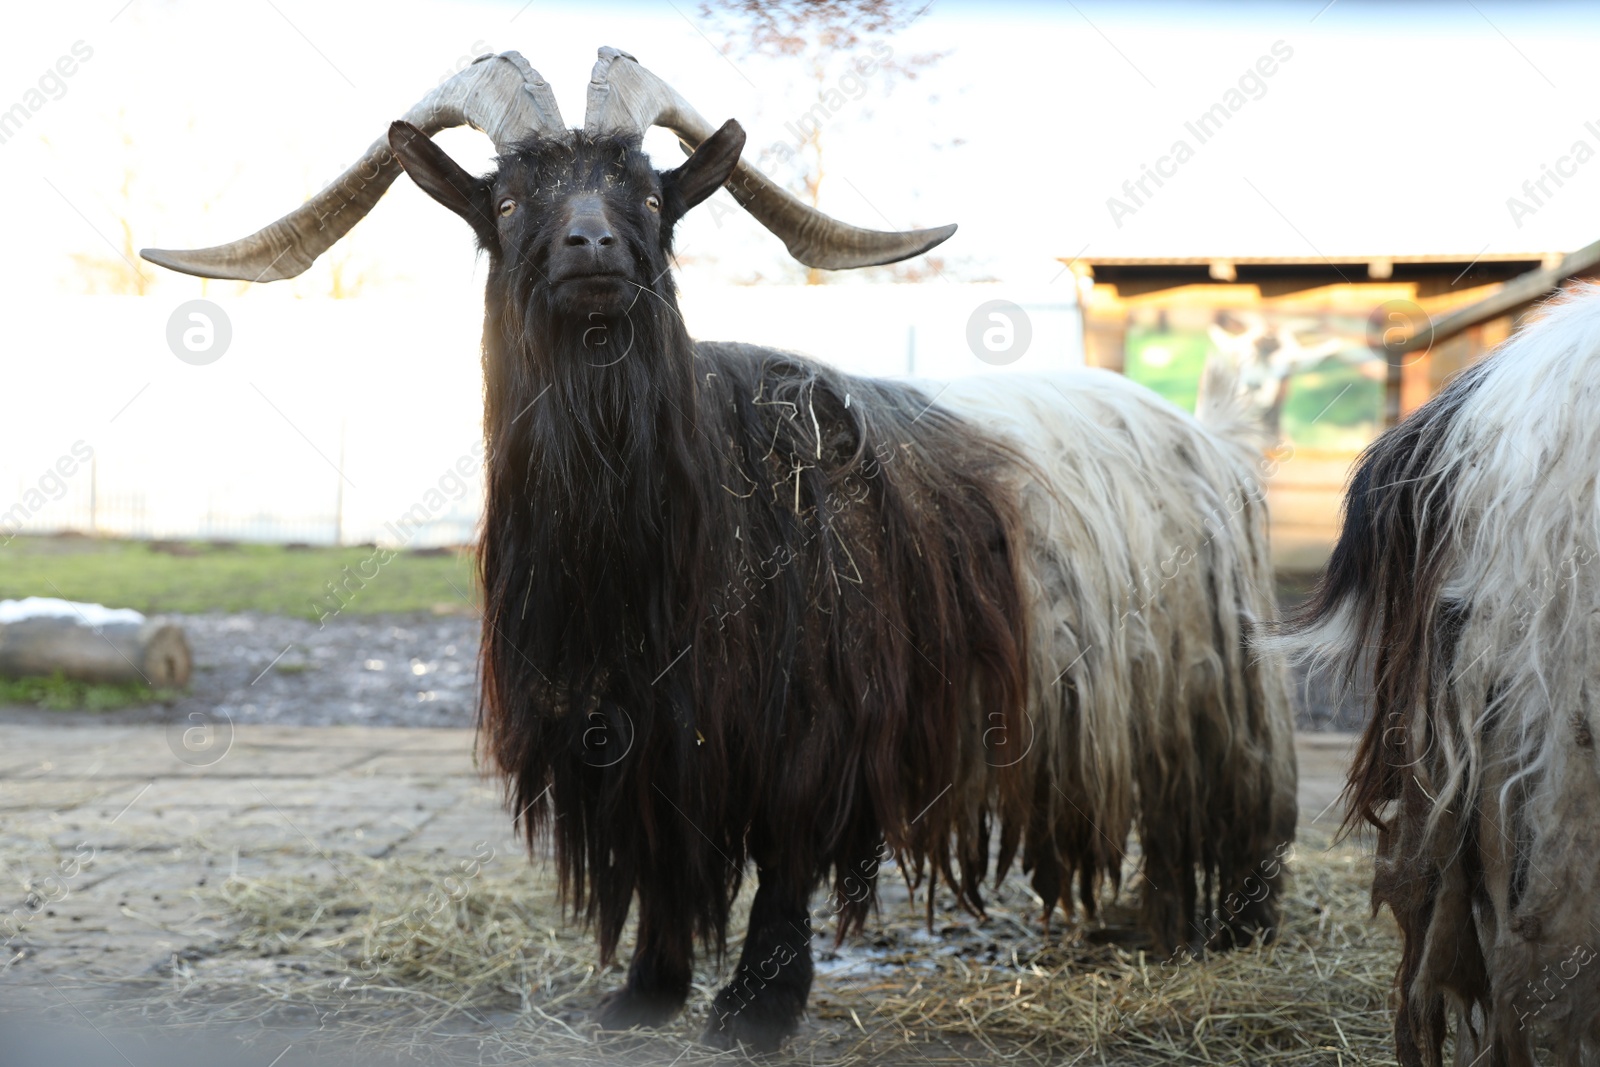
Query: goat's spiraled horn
(625, 97)
(499, 94)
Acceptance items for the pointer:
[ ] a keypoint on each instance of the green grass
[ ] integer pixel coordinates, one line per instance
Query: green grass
(158, 577)
(60, 694)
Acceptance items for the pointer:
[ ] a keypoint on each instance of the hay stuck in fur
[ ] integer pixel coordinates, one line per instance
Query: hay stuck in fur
(398, 958)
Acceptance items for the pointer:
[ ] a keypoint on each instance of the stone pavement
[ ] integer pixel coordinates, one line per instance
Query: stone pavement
(161, 811)
(106, 830)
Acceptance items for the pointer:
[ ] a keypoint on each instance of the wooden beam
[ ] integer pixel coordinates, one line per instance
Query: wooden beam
(1511, 296)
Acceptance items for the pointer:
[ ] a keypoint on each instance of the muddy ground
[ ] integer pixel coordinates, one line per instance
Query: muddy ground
(413, 669)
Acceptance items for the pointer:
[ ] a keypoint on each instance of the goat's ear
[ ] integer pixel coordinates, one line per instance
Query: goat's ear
(443, 179)
(708, 167)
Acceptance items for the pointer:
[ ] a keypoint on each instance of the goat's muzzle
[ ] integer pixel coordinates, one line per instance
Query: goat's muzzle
(589, 266)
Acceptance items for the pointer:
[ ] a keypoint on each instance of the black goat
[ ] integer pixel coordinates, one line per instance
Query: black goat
(742, 607)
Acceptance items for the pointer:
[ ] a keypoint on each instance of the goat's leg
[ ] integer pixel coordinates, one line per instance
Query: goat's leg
(658, 976)
(764, 1002)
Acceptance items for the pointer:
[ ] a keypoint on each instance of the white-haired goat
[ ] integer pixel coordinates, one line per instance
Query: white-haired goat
(1466, 585)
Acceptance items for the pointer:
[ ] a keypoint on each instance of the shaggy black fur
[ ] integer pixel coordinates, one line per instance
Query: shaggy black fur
(1387, 569)
(1387, 572)
(739, 607)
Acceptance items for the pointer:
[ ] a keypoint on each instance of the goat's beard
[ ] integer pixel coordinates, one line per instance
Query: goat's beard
(621, 393)
(596, 498)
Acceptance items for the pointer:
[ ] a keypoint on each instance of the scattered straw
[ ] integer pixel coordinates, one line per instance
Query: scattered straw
(484, 969)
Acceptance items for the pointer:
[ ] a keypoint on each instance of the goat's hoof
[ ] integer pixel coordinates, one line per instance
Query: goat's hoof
(625, 1009)
(729, 1032)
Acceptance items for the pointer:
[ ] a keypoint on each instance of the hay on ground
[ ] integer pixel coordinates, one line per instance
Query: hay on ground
(396, 956)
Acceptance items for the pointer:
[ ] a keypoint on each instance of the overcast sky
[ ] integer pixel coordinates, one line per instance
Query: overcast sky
(1382, 128)
(1350, 129)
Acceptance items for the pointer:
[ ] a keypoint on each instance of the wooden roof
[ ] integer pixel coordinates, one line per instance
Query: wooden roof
(1279, 275)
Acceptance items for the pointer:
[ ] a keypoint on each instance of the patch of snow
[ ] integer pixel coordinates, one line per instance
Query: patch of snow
(49, 607)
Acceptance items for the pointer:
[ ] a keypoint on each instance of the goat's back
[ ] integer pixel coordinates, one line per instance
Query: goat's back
(1149, 579)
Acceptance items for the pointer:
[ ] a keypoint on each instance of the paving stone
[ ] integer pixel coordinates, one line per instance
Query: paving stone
(283, 800)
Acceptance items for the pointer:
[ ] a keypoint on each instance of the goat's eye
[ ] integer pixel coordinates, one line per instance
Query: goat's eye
(653, 202)
(507, 206)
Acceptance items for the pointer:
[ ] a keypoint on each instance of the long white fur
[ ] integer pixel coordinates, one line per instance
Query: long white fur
(1522, 458)
(1525, 449)
(1148, 573)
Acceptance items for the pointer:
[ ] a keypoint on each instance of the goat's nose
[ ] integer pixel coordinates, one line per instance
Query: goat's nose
(590, 229)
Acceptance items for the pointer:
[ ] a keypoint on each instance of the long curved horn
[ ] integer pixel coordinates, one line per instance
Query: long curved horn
(499, 94)
(626, 98)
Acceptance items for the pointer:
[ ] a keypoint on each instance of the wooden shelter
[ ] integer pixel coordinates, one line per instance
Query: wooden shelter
(1401, 324)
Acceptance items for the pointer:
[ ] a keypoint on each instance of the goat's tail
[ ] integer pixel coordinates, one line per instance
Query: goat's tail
(1225, 408)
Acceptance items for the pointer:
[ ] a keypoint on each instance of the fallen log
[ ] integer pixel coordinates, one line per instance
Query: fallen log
(43, 636)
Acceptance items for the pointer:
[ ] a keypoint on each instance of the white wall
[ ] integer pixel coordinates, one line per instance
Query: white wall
(889, 330)
(379, 396)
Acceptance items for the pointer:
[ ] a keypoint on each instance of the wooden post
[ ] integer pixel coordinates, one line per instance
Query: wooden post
(338, 488)
(1393, 380)
(1105, 341)
(1414, 380)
